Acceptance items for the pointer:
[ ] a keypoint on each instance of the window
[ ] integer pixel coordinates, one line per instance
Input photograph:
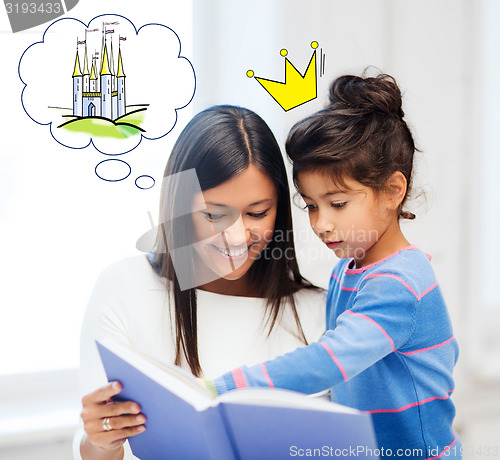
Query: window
(481, 347)
(490, 164)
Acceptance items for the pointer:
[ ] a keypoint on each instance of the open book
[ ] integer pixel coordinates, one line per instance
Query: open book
(185, 422)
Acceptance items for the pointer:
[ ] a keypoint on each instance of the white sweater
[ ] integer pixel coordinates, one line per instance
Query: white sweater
(130, 303)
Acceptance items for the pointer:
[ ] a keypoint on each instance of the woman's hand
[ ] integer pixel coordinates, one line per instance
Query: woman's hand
(108, 423)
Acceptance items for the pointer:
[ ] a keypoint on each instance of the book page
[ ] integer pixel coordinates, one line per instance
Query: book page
(172, 377)
(282, 398)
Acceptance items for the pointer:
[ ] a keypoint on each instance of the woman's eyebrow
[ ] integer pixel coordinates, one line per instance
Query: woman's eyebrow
(217, 204)
(226, 206)
(260, 202)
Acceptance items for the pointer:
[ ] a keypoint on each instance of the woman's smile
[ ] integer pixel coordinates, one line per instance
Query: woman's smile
(233, 253)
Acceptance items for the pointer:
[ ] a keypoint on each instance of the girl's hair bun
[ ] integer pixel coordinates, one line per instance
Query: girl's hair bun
(361, 135)
(360, 96)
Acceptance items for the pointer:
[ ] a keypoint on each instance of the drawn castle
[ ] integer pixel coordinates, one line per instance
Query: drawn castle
(99, 93)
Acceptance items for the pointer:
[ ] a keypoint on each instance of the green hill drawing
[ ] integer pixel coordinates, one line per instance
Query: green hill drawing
(121, 128)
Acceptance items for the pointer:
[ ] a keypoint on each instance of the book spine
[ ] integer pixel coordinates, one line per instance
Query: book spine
(218, 438)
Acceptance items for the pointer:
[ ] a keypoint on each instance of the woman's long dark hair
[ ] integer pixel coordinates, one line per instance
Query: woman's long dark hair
(220, 143)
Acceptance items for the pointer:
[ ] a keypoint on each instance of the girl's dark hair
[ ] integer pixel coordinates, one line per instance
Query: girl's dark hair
(361, 134)
(220, 143)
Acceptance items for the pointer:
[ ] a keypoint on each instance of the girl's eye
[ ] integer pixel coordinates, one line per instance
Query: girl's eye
(213, 217)
(339, 205)
(258, 215)
(310, 207)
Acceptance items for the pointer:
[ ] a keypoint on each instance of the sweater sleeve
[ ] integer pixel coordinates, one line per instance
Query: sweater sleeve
(380, 321)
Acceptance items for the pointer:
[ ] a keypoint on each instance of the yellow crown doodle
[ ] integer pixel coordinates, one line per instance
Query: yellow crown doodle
(297, 88)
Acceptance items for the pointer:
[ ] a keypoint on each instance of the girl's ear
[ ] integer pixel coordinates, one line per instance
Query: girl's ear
(396, 187)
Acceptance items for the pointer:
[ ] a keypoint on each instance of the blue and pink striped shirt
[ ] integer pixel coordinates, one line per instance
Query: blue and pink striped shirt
(389, 350)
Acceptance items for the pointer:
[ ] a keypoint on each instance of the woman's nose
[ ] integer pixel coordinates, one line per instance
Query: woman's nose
(236, 234)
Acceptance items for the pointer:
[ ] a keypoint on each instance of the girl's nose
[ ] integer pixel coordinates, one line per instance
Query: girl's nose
(323, 224)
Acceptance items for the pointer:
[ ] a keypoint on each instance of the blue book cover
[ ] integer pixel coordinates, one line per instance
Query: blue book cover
(184, 421)
(276, 432)
(175, 428)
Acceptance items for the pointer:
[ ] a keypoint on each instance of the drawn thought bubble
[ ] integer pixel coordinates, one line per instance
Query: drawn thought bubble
(73, 82)
(113, 170)
(145, 182)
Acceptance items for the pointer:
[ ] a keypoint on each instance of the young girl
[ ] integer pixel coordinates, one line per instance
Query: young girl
(390, 349)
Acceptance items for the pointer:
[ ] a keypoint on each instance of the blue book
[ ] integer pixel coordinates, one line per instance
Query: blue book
(185, 422)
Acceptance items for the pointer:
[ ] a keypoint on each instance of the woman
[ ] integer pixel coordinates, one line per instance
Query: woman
(222, 285)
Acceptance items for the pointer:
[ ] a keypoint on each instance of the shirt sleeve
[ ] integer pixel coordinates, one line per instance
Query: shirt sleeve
(102, 319)
(380, 321)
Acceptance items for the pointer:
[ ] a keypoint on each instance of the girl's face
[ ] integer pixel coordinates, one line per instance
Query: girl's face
(352, 221)
(235, 223)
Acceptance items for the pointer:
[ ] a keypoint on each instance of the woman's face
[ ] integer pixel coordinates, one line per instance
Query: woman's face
(235, 223)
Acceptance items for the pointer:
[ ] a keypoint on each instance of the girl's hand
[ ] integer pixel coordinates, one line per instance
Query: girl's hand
(209, 385)
(108, 423)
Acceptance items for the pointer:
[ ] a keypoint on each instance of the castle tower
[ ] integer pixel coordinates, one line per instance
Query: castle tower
(77, 88)
(114, 99)
(97, 76)
(85, 71)
(93, 79)
(106, 77)
(120, 82)
(112, 65)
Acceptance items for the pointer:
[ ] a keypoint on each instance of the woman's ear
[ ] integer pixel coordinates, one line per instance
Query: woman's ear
(396, 187)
